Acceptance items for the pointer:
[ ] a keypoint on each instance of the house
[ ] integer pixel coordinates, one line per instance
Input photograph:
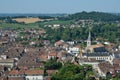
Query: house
(32, 43)
(104, 68)
(74, 50)
(62, 55)
(26, 75)
(7, 62)
(116, 63)
(65, 46)
(52, 54)
(2, 70)
(59, 43)
(34, 57)
(56, 25)
(34, 74)
(15, 78)
(117, 54)
(110, 47)
(3, 57)
(16, 74)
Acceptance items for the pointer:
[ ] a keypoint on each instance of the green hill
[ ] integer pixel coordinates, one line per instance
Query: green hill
(96, 16)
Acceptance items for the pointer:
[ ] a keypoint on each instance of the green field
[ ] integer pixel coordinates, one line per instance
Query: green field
(16, 25)
(32, 25)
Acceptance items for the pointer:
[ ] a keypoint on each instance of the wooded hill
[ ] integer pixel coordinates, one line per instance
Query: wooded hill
(96, 16)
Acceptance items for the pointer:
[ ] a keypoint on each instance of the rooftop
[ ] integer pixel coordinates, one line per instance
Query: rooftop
(32, 72)
(96, 46)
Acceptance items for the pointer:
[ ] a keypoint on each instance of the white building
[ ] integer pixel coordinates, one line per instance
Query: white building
(34, 74)
(99, 56)
(7, 62)
(73, 50)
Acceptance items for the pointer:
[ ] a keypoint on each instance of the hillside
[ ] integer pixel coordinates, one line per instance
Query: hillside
(96, 16)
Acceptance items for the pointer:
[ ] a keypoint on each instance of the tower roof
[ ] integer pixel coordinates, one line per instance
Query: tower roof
(89, 37)
(89, 40)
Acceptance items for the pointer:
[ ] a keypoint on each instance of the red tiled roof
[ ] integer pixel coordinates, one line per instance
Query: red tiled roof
(59, 42)
(16, 72)
(52, 54)
(31, 72)
(77, 46)
(95, 46)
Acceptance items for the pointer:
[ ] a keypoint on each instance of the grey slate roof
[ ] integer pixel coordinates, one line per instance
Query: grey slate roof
(96, 54)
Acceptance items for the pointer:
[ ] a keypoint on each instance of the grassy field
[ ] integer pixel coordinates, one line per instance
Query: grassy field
(16, 25)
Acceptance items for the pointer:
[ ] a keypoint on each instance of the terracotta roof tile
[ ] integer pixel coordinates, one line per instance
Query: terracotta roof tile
(30, 72)
(96, 46)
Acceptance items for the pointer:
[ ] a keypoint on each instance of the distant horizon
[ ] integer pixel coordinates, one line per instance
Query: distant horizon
(58, 13)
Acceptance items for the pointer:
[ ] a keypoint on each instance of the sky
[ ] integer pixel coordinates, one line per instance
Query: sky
(58, 6)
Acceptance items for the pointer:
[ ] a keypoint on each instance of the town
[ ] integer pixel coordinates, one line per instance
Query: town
(46, 53)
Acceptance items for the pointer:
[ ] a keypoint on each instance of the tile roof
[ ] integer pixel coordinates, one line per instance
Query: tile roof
(97, 54)
(27, 72)
(106, 67)
(52, 54)
(31, 72)
(7, 61)
(16, 72)
(59, 42)
(16, 78)
(116, 61)
(95, 46)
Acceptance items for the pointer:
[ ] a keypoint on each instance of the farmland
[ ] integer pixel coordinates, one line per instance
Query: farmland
(28, 20)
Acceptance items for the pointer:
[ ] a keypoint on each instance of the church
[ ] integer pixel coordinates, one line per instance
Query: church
(96, 52)
(94, 48)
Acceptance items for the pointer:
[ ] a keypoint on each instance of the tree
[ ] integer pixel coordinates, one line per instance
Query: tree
(72, 72)
(53, 64)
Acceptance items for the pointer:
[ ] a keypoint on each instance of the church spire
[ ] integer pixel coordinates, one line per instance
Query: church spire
(89, 40)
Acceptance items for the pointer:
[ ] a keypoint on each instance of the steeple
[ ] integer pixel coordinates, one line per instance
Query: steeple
(89, 40)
